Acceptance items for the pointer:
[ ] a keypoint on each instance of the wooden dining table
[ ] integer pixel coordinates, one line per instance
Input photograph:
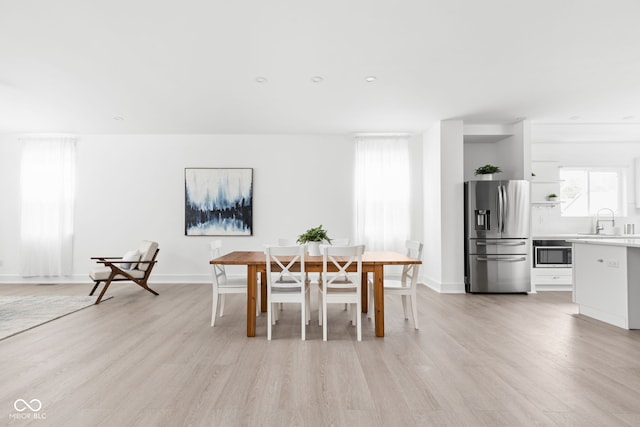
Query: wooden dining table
(372, 262)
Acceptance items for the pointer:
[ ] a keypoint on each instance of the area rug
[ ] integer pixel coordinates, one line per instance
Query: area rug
(19, 314)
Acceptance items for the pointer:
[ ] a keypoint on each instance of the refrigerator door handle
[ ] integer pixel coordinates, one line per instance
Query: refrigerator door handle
(500, 209)
(503, 194)
(502, 259)
(501, 243)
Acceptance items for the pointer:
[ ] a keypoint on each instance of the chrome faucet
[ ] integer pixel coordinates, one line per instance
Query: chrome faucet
(600, 227)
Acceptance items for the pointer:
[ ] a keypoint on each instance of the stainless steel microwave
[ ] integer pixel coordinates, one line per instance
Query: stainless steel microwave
(552, 254)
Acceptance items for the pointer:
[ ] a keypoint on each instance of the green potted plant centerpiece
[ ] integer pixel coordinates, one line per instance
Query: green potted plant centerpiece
(312, 238)
(486, 172)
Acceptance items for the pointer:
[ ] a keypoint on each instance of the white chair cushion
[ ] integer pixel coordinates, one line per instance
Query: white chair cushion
(133, 256)
(103, 273)
(339, 290)
(147, 250)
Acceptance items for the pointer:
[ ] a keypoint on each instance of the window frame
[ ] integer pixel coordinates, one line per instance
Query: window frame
(622, 174)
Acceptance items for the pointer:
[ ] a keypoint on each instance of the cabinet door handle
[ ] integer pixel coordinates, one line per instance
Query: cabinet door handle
(600, 260)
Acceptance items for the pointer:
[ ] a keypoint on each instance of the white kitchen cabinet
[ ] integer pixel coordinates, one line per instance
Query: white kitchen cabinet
(556, 279)
(606, 283)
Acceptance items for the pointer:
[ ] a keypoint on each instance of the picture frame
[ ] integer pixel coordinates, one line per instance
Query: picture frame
(218, 201)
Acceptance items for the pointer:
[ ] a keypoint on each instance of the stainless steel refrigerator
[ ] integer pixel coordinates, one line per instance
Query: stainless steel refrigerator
(497, 249)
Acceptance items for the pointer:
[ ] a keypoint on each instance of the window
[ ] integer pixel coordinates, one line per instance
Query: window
(48, 193)
(382, 192)
(584, 191)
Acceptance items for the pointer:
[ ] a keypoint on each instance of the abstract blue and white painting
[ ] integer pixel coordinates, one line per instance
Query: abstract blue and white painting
(218, 202)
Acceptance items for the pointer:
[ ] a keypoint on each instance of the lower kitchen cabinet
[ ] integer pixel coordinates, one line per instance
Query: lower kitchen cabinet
(552, 279)
(606, 283)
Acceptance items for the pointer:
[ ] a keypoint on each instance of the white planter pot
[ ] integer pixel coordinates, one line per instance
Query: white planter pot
(313, 248)
(486, 177)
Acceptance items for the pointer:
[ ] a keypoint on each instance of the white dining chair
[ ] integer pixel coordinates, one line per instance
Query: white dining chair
(341, 286)
(222, 285)
(340, 241)
(286, 283)
(283, 241)
(406, 286)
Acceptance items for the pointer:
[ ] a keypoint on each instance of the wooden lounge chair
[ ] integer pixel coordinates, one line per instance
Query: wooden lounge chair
(135, 266)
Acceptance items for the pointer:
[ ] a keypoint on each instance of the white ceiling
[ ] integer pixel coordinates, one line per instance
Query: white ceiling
(190, 66)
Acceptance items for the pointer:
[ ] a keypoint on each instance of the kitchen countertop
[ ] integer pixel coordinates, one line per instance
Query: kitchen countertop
(554, 236)
(583, 236)
(630, 243)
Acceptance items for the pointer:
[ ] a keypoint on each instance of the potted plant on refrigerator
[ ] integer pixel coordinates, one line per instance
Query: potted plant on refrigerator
(486, 172)
(312, 238)
(552, 197)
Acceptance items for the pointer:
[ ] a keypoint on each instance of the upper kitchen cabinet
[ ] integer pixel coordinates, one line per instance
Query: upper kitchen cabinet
(506, 146)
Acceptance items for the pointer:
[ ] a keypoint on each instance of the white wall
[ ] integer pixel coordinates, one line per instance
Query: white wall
(452, 206)
(131, 187)
(432, 251)
(444, 201)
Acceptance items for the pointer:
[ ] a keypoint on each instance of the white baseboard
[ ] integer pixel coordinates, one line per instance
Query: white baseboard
(613, 319)
(197, 279)
(83, 279)
(443, 288)
(16, 279)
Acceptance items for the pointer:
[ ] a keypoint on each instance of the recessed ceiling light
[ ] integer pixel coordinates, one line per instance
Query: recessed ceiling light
(118, 118)
(261, 79)
(370, 79)
(574, 118)
(317, 79)
(628, 117)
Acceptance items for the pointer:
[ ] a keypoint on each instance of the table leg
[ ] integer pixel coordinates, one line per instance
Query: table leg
(378, 297)
(263, 290)
(251, 300)
(365, 291)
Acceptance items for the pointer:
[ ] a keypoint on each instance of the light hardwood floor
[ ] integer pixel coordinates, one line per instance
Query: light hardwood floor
(478, 360)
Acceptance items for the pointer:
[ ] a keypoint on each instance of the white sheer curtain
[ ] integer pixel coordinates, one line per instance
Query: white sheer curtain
(382, 192)
(47, 202)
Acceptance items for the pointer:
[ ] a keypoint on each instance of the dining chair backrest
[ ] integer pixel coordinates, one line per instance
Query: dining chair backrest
(341, 241)
(217, 270)
(410, 271)
(343, 259)
(285, 267)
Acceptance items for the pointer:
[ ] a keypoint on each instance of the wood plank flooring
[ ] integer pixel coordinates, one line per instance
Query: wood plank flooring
(478, 360)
